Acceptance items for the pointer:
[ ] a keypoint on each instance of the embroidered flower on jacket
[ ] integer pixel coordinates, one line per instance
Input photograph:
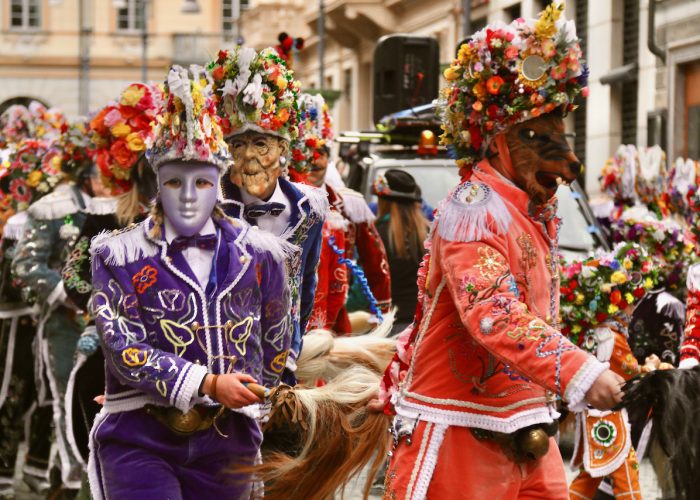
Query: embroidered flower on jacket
(492, 264)
(144, 278)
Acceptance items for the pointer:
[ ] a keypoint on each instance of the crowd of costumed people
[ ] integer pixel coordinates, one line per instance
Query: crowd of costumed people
(180, 269)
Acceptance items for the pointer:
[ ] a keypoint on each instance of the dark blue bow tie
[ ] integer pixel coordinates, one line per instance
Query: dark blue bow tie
(254, 211)
(205, 242)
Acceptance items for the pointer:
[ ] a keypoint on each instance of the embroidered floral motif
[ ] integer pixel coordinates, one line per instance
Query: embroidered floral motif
(491, 263)
(528, 253)
(144, 278)
(134, 357)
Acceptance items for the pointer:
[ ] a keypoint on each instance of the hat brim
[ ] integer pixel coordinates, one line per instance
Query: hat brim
(397, 196)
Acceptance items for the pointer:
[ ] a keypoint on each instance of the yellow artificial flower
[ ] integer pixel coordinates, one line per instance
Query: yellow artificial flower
(627, 264)
(121, 129)
(452, 73)
(132, 95)
(629, 298)
(135, 143)
(465, 54)
(576, 328)
(688, 247)
(56, 162)
(579, 299)
(606, 287)
(34, 178)
(618, 278)
(545, 27)
(612, 309)
(648, 284)
(281, 82)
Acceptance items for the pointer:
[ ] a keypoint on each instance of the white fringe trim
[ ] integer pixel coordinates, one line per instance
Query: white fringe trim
(473, 212)
(355, 206)
(317, 198)
(68, 404)
(693, 280)
(575, 393)
(335, 220)
(125, 246)
(670, 306)
(14, 227)
(263, 241)
(54, 206)
(429, 462)
(102, 206)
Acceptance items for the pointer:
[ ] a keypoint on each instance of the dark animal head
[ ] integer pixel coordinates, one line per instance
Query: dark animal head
(541, 157)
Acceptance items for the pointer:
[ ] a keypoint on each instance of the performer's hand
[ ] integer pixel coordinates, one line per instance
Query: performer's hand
(230, 390)
(606, 391)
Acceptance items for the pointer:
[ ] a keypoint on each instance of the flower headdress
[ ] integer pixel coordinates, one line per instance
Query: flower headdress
(30, 173)
(34, 121)
(670, 246)
(256, 92)
(507, 74)
(315, 131)
(188, 127)
(119, 132)
(15, 125)
(600, 288)
(69, 153)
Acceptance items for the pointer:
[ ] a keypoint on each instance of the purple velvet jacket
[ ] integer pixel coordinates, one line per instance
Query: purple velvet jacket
(145, 301)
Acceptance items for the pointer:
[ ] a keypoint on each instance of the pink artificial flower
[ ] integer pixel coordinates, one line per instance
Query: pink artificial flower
(512, 52)
(112, 118)
(558, 72)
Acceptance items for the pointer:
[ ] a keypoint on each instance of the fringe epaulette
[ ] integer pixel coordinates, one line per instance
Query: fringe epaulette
(693, 279)
(336, 221)
(124, 245)
(670, 306)
(355, 206)
(14, 227)
(473, 212)
(264, 241)
(54, 205)
(317, 198)
(102, 206)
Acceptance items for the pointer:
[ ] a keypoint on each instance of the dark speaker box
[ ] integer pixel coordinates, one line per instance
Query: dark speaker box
(406, 73)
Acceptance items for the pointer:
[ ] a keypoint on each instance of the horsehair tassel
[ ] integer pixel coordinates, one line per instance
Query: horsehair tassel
(360, 275)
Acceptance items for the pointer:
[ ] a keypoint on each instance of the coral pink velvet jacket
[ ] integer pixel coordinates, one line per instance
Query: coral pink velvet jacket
(486, 352)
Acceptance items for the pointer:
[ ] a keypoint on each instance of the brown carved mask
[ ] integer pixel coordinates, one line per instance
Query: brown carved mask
(256, 162)
(539, 156)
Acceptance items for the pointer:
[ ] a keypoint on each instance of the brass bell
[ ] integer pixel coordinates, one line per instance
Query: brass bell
(194, 327)
(534, 443)
(187, 423)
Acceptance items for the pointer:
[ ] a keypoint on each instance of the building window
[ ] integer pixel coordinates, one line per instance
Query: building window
(130, 18)
(229, 14)
(630, 54)
(25, 14)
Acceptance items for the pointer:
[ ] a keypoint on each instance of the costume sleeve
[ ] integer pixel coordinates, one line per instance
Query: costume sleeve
(309, 279)
(690, 348)
(276, 320)
(622, 360)
(337, 278)
(40, 283)
(170, 379)
(487, 299)
(77, 278)
(372, 256)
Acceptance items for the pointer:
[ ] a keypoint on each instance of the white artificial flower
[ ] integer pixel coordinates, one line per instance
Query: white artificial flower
(229, 89)
(587, 271)
(658, 235)
(252, 94)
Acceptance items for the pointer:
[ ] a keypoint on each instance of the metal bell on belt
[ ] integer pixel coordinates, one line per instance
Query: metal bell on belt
(534, 443)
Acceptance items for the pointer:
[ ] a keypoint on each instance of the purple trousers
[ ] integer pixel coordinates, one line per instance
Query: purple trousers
(135, 456)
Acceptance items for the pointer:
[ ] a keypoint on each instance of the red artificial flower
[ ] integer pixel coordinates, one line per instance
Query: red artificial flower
(639, 292)
(615, 297)
(122, 154)
(297, 155)
(492, 111)
(218, 73)
(601, 316)
(223, 54)
(476, 138)
(310, 143)
(494, 84)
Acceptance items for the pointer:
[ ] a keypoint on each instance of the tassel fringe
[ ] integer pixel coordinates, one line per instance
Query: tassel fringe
(318, 199)
(14, 227)
(54, 206)
(124, 246)
(263, 241)
(355, 207)
(102, 206)
(473, 212)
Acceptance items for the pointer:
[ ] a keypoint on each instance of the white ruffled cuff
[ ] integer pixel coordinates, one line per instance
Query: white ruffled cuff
(189, 392)
(581, 382)
(688, 363)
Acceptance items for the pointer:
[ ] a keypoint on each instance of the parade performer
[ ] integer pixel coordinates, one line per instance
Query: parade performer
(189, 307)
(118, 135)
(474, 381)
(362, 241)
(52, 226)
(258, 108)
(598, 296)
(19, 399)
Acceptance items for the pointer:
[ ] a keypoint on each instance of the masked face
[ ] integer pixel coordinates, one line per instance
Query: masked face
(188, 194)
(541, 157)
(319, 166)
(256, 160)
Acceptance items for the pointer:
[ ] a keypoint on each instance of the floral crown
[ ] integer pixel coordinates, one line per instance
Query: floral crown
(69, 153)
(315, 131)
(35, 121)
(507, 74)
(119, 132)
(670, 246)
(600, 288)
(30, 172)
(256, 92)
(187, 126)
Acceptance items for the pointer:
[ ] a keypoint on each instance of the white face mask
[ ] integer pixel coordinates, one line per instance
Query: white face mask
(188, 194)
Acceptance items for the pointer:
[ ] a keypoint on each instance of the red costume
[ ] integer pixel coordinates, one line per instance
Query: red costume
(690, 348)
(361, 233)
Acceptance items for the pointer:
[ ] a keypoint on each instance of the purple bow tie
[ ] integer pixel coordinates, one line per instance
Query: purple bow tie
(254, 211)
(205, 242)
